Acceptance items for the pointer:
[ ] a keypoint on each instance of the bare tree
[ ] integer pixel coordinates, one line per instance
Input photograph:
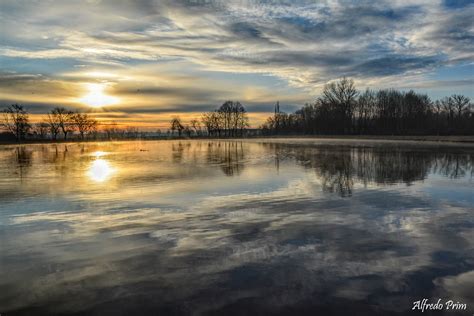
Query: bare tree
(64, 118)
(460, 104)
(41, 129)
(54, 125)
(387, 111)
(187, 131)
(448, 106)
(340, 97)
(232, 117)
(132, 132)
(84, 123)
(206, 119)
(175, 125)
(16, 121)
(111, 130)
(196, 126)
(213, 123)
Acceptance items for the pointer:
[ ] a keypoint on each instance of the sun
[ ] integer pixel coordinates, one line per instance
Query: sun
(96, 97)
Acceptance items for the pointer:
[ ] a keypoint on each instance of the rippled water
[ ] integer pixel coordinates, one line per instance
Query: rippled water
(230, 227)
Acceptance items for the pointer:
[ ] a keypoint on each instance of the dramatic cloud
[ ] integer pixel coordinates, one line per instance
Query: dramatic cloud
(285, 50)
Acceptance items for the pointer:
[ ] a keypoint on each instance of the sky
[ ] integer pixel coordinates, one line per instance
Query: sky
(140, 62)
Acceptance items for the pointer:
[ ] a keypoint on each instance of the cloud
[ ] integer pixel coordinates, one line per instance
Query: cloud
(304, 44)
(395, 65)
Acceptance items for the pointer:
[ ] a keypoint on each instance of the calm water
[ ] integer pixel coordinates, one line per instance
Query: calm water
(229, 227)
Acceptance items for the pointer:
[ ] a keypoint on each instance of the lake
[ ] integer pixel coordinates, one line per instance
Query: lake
(255, 227)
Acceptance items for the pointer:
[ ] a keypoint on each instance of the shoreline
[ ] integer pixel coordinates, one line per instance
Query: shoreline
(425, 139)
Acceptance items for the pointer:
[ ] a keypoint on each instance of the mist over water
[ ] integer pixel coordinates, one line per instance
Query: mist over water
(235, 227)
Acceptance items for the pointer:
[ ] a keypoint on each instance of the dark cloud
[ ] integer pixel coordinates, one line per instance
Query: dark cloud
(457, 4)
(393, 65)
(31, 107)
(172, 108)
(191, 93)
(349, 22)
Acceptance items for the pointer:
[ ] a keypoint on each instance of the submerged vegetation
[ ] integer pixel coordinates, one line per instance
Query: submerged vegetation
(340, 110)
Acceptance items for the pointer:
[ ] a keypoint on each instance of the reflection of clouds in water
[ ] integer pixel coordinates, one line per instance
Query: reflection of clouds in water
(283, 245)
(332, 242)
(460, 288)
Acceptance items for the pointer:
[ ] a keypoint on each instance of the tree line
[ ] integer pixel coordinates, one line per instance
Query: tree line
(58, 121)
(342, 109)
(229, 120)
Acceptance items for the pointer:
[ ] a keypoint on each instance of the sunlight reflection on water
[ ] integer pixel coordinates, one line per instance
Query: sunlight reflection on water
(100, 170)
(213, 225)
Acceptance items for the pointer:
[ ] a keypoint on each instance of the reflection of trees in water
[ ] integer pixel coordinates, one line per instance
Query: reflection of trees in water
(340, 166)
(23, 159)
(23, 156)
(454, 166)
(178, 151)
(388, 166)
(229, 156)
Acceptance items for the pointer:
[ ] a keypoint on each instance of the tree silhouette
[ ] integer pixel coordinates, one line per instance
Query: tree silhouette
(196, 126)
(16, 121)
(41, 129)
(341, 109)
(64, 119)
(175, 125)
(83, 123)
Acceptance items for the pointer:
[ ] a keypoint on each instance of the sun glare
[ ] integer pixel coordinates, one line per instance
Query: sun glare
(100, 170)
(96, 96)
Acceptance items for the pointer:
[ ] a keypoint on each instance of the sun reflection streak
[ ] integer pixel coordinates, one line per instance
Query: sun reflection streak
(100, 169)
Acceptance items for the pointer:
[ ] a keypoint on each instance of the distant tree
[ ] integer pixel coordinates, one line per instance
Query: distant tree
(340, 99)
(196, 126)
(64, 118)
(438, 113)
(132, 132)
(212, 123)
(112, 130)
(84, 123)
(342, 110)
(460, 104)
(16, 121)
(53, 125)
(448, 107)
(363, 112)
(41, 129)
(240, 120)
(187, 131)
(232, 118)
(175, 125)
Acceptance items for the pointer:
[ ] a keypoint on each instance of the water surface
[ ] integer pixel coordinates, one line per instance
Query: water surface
(235, 227)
